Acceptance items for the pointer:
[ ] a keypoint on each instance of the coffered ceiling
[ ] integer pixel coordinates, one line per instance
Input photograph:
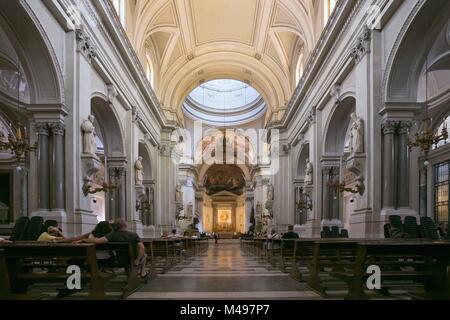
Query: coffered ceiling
(189, 42)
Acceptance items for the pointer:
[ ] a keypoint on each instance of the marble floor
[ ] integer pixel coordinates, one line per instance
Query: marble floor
(224, 272)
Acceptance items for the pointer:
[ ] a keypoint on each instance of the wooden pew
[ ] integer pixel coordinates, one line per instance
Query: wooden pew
(302, 257)
(23, 261)
(330, 257)
(125, 256)
(423, 262)
(5, 285)
(163, 249)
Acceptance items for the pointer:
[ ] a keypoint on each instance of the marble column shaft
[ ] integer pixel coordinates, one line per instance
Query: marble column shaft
(403, 166)
(43, 173)
(388, 165)
(58, 193)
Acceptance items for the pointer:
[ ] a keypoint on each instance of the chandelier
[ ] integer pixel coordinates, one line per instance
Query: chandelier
(426, 137)
(305, 201)
(338, 186)
(106, 186)
(18, 144)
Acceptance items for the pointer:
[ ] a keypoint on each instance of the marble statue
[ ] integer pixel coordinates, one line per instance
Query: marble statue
(308, 172)
(178, 194)
(270, 192)
(357, 134)
(139, 171)
(189, 210)
(88, 129)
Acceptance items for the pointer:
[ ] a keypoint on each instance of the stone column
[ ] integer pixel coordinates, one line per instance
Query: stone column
(403, 166)
(331, 196)
(117, 196)
(23, 190)
(388, 165)
(58, 193)
(43, 166)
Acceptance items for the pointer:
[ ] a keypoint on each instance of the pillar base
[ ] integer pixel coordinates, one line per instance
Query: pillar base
(363, 225)
(136, 226)
(402, 212)
(331, 223)
(149, 231)
(59, 215)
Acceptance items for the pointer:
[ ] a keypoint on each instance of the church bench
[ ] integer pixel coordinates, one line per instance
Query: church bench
(163, 250)
(302, 257)
(404, 264)
(5, 285)
(125, 255)
(329, 257)
(286, 253)
(29, 263)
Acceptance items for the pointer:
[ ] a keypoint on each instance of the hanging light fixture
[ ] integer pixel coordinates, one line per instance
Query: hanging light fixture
(18, 144)
(305, 201)
(425, 138)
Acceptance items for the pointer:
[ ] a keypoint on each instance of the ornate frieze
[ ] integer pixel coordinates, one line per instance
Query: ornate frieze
(85, 45)
(362, 46)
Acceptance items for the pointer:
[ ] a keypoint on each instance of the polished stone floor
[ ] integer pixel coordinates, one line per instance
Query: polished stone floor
(224, 273)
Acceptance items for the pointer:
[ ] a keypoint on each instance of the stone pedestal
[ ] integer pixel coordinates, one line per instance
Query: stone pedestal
(149, 232)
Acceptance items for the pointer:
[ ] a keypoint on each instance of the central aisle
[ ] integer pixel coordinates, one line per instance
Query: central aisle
(224, 273)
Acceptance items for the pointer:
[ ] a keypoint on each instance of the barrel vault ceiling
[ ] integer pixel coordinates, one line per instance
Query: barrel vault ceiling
(188, 42)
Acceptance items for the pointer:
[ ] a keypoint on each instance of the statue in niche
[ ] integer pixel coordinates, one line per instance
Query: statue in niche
(270, 192)
(178, 194)
(139, 171)
(89, 135)
(357, 134)
(308, 172)
(259, 210)
(190, 208)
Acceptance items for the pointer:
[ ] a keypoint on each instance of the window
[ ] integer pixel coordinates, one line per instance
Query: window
(120, 8)
(149, 70)
(439, 131)
(300, 68)
(328, 9)
(441, 192)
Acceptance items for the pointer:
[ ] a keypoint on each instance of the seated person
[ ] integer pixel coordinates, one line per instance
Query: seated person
(53, 234)
(4, 241)
(174, 234)
(290, 234)
(121, 234)
(100, 230)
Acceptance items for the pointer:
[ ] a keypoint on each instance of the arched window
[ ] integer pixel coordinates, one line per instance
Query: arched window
(439, 131)
(300, 68)
(149, 70)
(120, 8)
(328, 9)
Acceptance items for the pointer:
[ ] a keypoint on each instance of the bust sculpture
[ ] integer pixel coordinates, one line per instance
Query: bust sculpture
(88, 129)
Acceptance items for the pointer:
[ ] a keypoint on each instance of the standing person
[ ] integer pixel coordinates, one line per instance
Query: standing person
(216, 238)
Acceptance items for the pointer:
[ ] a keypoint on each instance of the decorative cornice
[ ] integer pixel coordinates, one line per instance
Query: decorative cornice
(85, 45)
(362, 46)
